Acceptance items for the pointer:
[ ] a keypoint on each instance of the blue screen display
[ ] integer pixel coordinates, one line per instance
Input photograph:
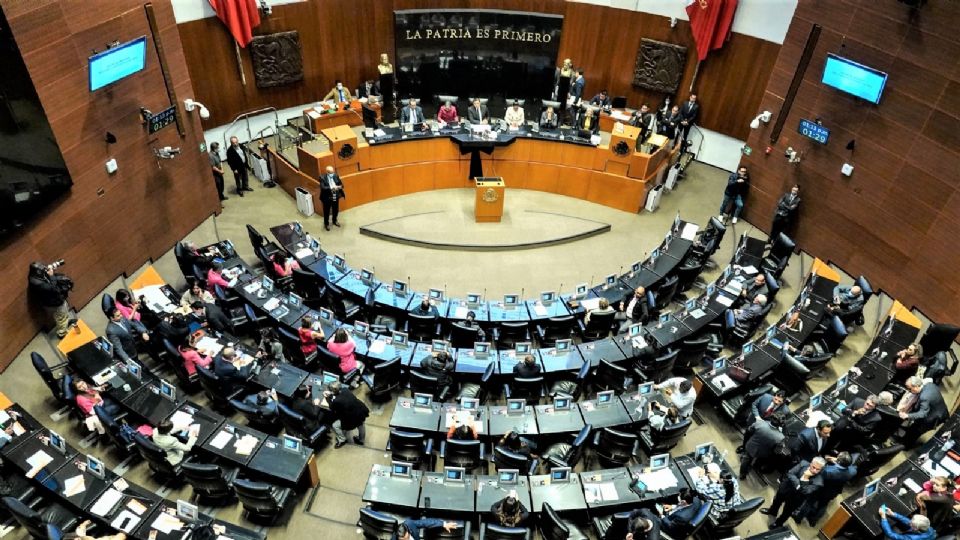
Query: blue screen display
(853, 78)
(114, 64)
(814, 130)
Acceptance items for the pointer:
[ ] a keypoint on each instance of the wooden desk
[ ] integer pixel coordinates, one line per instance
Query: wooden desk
(76, 337)
(351, 116)
(147, 278)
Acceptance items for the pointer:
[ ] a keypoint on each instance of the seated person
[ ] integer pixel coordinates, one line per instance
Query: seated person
(477, 113)
(660, 416)
(193, 357)
(675, 519)
(588, 120)
(195, 294)
(369, 89)
(425, 308)
(753, 288)
(413, 114)
(124, 335)
(856, 424)
(169, 441)
(722, 489)
(509, 511)
(448, 113)
(128, 305)
(283, 266)
(265, 402)
(210, 316)
(228, 367)
(215, 276)
(906, 364)
(471, 321)
(440, 366)
(846, 300)
(309, 337)
(339, 94)
(681, 394)
(634, 308)
(603, 308)
(514, 116)
(752, 313)
(173, 327)
(270, 348)
(192, 256)
(601, 100)
(513, 442)
(643, 524)
(916, 527)
(80, 533)
(462, 431)
(9, 431)
(768, 405)
(527, 368)
(549, 120)
(307, 406)
(343, 346)
(412, 529)
(941, 492)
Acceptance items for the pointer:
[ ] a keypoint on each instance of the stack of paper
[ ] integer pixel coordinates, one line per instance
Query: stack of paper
(73, 486)
(166, 523)
(377, 346)
(689, 231)
(540, 310)
(723, 382)
(221, 439)
(106, 502)
(181, 419)
(590, 303)
(244, 446)
(209, 344)
(657, 480)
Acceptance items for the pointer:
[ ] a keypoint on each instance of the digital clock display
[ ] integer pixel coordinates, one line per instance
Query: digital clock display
(814, 130)
(162, 119)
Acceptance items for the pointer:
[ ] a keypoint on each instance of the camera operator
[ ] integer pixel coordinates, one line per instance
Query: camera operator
(50, 290)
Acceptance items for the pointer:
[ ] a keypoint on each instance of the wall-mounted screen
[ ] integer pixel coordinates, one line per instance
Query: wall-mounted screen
(113, 64)
(853, 78)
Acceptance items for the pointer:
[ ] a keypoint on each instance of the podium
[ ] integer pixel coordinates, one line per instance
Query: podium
(343, 146)
(488, 204)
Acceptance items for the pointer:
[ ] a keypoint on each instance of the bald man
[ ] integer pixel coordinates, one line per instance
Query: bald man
(331, 191)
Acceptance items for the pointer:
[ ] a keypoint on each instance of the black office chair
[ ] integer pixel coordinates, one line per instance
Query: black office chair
(506, 459)
(871, 461)
(613, 526)
(512, 332)
(658, 442)
(262, 501)
(422, 327)
(779, 255)
(36, 522)
(552, 527)
(707, 242)
(659, 368)
(255, 419)
(258, 241)
(156, 459)
(481, 390)
(344, 309)
(426, 384)
(740, 408)
(54, 532)
(698, 521)
(331, 362)
(790, 375)
(614, 448)
(107, 304)
(377, 525)
(610, 376)
(411, 447)
(295, 424)
(310, 287)
(572, 388)
(885, 429)
(256, 321)
(665, 292)
(743, 330)
(729, 520)
(773, 287)
(687, 274)
(233, 308)
(211, 484)
(54, 383)
(556, 328)
(114, 429)
(291, 345)
(200, 276)
(467, 454)
(460, 532)
(599, 327)
(186, 267)
(188, 382)
(690, 353)
(214, 390)
(382, 379)
(490, 531)
(564, 454)
(829, 340)
(462, 336)
(528, 388)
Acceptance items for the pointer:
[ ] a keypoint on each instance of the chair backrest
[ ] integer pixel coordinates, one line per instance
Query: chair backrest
(526, 387)
(738, 514)
(835, 334)
(877, 458)
(660, 367)
(616, 443)
(695, 345)
(292, 421)
(669, 436)
(700, 518)
(256, 497)
(112, 428)
(199, 275)
(488, 372)
(377, 525)
(865, 288)
(666, 291)
(212, 386)
(66, 388)
(561, 324)
(462, 336)
(256, 239)
(514, 328)
(406, 442)
(939, 337)
(575, 452)
(425, 384)
(610, 375)
(601, 323)
(107, 304)
(782, 247)
(551, 526)
(386, 376)
(497, 532)
(206, 479)
(54, 532)
(462, 453)
(506, 459)
(41, 366)
(773, 286)
(619, 526)
(155, 457)
(29, 518)
(248, 411)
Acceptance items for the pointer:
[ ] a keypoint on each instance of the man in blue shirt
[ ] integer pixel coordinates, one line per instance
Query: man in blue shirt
(918, 526)
(411, 529)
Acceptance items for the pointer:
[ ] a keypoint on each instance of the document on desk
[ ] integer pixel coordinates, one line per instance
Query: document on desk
(657, 480)
(912, 486)
(639, 342)
(209, 344)
(590, 303)
(39, 459)
(73, 486)
(271, 304)
(4, 417)
(221, 439)
(244, 445)
(540, 310)
(950, 465)
(603, 491)
(751, 270)
(125, 521)
(377, 346)
(723, 381)
(166, 524)
(724, 300)
(153, 294)
(697, 313)
(460, 312)
(181, 419)
(106, 502)
(252, 287)
(689, 231)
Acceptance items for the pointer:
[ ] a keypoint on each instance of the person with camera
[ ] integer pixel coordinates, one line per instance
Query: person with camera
(50, 290)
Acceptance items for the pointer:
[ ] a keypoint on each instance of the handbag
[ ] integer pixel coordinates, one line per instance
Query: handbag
(737, 372)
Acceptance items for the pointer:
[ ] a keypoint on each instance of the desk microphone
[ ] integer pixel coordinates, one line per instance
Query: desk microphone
(621, 270)
(484, 294)
(522, 292)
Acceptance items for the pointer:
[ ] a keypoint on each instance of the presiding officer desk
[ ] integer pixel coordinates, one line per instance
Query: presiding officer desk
(397, 163)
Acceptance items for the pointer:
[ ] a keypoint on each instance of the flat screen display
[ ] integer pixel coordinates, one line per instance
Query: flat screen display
(853, 78)
(114, 64)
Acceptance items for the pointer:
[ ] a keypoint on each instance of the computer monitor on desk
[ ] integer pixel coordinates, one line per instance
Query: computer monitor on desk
(95, 467)
(481, 349)
(400, 469)
(516, 407)
(469, 404)
(291, 444)
(168, 390)
(508, 477)
(522, 348)
(510, 300)
(581, 290)
(562, 403)
(187, 512)
(57, 442)
(423, 401)
(134, 369)
(645, 389)
(454, 474)
(366, 275)
(605, 398)
(399, 288)
(266, 283)
(563, 346)
(438, 345)
(659, 461)
(436, 295)
(547, 297)
(560, 475)
(474, 299)
(399, 339)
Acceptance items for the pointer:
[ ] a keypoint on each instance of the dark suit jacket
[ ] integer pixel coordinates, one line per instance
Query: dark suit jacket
(231, 377)
(641, 310)
(405, 114)
(804, 445)
(520, 369)
(576, 88)
(863, 423)
(349, 410)
(600, 101)
(929, 410)
(763, 402)
(650, 515)
(669, 125)
(233, 158)
(310, 412)
(215, 319)
(762, 440)
(123, 336)
(834, 478)
(677, 522)
(476, 118)
(326, 194)
(795, 488)
(374, 90)
(690, 112)
(786, 207)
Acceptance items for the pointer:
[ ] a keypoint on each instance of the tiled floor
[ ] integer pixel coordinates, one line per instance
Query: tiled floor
(331, 511)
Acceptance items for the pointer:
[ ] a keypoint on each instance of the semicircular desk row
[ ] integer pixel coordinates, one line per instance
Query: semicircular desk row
(398, 163)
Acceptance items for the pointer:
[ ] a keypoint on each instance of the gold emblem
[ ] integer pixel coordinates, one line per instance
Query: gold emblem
(490, 195)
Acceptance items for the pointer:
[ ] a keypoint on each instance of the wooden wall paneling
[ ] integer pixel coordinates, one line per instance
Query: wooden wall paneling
(388, 182)
(573, 182)
(447, 175)
(418, 177)
(543, 177)
(358, 188)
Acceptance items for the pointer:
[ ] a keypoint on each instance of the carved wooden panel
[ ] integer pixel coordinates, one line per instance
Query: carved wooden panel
(276, 59)
(659, 66)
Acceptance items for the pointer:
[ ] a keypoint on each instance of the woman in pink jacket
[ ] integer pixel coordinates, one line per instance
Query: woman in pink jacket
(343, 346)
(192, 357)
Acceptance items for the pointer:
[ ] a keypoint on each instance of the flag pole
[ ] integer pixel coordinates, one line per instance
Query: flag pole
(693, 81)
(243, 77)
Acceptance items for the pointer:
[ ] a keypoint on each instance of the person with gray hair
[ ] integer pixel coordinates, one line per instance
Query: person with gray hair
(801, 483)
(885, 398)
(857, 422)
(752, 312)
(918, 526)
(923, 406)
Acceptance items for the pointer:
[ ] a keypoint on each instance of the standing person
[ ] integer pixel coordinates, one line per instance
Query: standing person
(681, 394)
(924, 407)
(350, 414)
(689, 113)
(670, 124)
(738, 185)
(216, 165)
(785, 213)
(50, 290)
(308, 336)
(838, 471)
(331, 191)
(812, 441)
(237, 159)
(801, 482)
(576, 89)
(918, 526)
(760, 441)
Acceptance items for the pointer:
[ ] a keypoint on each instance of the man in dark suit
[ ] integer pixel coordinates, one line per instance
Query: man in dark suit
(643, 524)
(576, 89)
(307, 407)
(926, 412)
(768, 404)
(123, 334)
(425, 308)
(800, 483)
(810, 442)
(735, 193)
(527, 368)
(232, 377)
(856, 424)
(210, 316)
(477, 113)
(369, 88)
(331, 191)
(634, 308)
(350, 414)
(642, 119)
(835, 475)
(753, 288)
(689, 113)
(413, 114)
(753, 311)
(237, 160)
(669, 125)
(675, 520)
(760, 440)
(785, 213)
(601, 100)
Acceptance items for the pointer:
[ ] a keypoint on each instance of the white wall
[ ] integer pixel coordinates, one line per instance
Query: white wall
(717, 149)
(191, 10)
